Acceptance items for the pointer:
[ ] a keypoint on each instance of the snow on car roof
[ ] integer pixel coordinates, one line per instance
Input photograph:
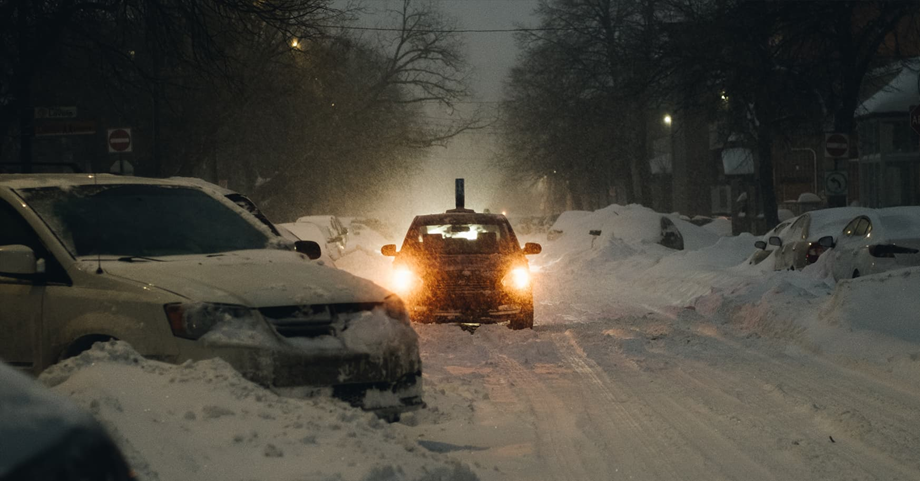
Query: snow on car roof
(32, 418)
(205, 184)
(306, 231)
(30, 181)
(901, 222)
(830, 222)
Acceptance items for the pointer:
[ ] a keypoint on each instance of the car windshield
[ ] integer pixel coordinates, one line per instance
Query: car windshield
(142, 220)
(457, 239)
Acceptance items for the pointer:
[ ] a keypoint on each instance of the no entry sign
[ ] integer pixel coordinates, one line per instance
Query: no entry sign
(119, 140)
(836, 146)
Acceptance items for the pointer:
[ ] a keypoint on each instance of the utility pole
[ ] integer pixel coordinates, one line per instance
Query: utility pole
(23, 89)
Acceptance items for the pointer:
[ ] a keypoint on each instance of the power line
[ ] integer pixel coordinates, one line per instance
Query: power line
(484, 30)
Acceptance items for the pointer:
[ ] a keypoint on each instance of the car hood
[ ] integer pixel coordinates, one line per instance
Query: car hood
(256, 278)
(486, 262)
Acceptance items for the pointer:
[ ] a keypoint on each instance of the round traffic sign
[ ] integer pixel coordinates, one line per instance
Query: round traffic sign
(837, 145)
(119, 140)
(835, 183)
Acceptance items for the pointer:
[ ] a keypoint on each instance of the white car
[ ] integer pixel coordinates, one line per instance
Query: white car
(334, 232)
(878, 241)
(182, 273)
(763, 246)
(801, 243)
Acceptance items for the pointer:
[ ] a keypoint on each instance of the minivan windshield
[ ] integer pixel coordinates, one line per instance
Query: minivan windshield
(458, 239)
(142, 220)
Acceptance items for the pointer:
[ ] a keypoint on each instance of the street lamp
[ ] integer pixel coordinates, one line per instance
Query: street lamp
(667, 119)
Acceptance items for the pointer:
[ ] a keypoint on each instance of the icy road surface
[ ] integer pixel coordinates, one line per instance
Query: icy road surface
(642, 398)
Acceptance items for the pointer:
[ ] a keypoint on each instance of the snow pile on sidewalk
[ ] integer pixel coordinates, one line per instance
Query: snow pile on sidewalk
(204, 421)
(624, 273)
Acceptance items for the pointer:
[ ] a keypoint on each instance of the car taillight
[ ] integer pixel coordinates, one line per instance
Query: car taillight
(890, 250)
(813, 253)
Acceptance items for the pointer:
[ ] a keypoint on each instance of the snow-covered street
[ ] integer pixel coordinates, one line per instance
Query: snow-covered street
(662, 398)
(644, 363)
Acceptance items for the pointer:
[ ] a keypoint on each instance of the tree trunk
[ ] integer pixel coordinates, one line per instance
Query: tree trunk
(765, 174)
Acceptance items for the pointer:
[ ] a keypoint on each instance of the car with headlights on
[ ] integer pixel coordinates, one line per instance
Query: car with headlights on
(463, 266)
(182, 273)
(877, 241)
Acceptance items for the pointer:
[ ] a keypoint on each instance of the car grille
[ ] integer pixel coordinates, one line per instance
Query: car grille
(471, 281)
(311, 321)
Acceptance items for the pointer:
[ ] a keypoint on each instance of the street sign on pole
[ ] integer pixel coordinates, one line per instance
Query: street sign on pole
(836, 146)
(835, 183)
(119, 140)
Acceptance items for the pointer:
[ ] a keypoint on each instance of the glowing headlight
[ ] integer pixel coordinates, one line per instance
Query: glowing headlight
(518, 278)
(405, 280)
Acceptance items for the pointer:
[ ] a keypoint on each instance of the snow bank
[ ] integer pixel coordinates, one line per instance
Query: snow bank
(624, 232)
(203, 421)
(888, 303)
(720, 226)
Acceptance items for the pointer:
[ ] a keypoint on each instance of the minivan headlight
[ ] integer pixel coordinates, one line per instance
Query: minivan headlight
(193, 320)
(404, 280)
(518, 278)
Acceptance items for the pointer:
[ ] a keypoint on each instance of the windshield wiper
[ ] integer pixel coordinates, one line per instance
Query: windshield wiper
(137, 258)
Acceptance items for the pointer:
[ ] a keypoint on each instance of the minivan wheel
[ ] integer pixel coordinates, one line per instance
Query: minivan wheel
(83, 344)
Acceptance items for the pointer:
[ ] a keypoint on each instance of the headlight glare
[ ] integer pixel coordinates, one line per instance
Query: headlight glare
(404, 280)
(193, 320)
(518, 278)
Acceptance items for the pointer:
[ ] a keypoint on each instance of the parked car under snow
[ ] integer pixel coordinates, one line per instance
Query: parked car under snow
(878, 241)
(800, 244)
(181, 273)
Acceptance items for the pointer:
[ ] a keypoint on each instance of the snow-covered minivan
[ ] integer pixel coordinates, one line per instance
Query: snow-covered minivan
(182, 273)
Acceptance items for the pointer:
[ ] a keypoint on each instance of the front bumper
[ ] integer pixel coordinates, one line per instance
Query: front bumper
(455, 305)
(352, 376)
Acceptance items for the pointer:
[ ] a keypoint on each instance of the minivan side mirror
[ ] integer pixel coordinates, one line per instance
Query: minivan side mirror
(532, 248)
(776, 241)
(827, 242)
(308, 248)
(388, 250)
(760, 245)
(17, 260)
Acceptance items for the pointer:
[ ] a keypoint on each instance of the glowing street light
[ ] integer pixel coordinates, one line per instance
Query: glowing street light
(667, 119)
(294, 43)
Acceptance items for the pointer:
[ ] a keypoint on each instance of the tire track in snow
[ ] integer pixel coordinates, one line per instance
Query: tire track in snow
(562, 458)
(798, 430)
(707, 446)
(871, 414)
(641, 444)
